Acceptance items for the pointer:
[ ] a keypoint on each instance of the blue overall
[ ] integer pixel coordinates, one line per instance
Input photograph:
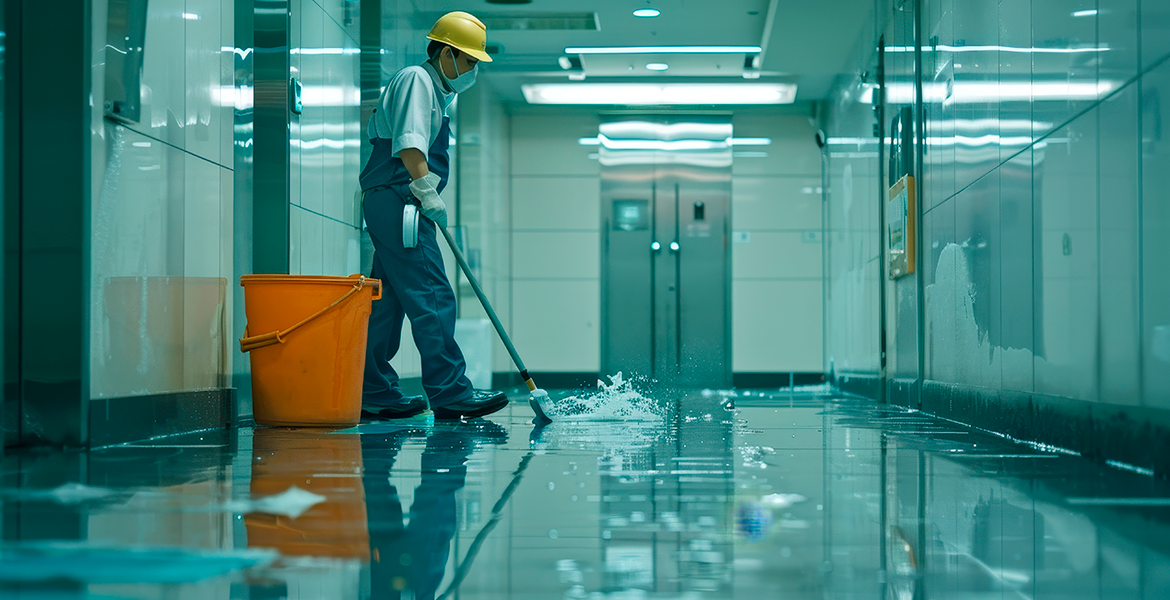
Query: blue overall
(414, 283)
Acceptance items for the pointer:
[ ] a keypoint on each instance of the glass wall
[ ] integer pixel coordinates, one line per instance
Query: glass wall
(1042, 213)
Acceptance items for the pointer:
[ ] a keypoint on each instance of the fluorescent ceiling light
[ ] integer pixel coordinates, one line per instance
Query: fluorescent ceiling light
(1010, 49)
(663, 145)
(317, 51)
(958, 140)
(665, 94)
(191, 16)
(970, 92)
(658, 66)
(1086, 13)
(647, 12)
(664, 50)
(595, 141)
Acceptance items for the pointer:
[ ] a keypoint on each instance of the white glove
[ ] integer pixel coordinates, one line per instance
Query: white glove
(433, 207)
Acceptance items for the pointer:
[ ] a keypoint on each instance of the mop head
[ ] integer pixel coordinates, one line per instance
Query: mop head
(541, 405)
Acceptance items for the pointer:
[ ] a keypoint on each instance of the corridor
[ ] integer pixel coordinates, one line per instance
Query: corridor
(754, 494)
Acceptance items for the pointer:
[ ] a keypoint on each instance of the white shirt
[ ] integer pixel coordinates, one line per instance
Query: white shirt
(411, 109)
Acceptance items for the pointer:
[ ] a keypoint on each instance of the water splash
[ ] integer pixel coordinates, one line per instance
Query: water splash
(616, 401)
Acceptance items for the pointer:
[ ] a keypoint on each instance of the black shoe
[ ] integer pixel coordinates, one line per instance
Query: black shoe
(408, 406)
(482, 402)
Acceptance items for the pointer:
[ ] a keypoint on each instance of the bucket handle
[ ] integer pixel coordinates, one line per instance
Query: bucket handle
(249, 343)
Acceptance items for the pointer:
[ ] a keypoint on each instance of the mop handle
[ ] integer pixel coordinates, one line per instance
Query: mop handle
(487, 306)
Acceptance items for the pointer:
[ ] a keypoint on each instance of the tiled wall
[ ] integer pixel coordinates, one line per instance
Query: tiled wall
(851, 228)
(163, 212)
(556, 211)
(169, 244)
(325, 140)
(1043, 187)
(484, 207)
(776, 265)
(776, 289)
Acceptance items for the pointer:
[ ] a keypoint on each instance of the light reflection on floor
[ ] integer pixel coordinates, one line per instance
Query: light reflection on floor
(745, 495)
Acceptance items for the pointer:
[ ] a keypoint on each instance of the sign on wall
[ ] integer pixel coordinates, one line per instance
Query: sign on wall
(900, 229)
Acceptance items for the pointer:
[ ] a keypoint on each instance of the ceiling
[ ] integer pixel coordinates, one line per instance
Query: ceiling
(806, 43)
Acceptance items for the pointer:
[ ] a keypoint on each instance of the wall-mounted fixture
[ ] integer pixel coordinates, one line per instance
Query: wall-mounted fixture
(574, 66)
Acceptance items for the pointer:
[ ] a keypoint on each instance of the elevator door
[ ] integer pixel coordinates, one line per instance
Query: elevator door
(666, 263)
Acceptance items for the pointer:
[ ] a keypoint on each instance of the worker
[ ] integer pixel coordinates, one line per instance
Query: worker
(405, 175)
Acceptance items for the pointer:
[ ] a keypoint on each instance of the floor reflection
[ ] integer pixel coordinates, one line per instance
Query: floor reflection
(721, 495)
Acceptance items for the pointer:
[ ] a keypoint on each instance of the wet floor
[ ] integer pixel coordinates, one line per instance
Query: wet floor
(751, 495)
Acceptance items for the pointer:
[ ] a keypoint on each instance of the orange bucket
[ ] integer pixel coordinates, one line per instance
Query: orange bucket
(308, 358)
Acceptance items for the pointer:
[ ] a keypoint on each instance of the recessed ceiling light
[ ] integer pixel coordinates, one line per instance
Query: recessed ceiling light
(658, 66)
(647, 12)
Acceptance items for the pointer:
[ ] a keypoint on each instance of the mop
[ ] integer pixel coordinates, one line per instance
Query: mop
(539, 400)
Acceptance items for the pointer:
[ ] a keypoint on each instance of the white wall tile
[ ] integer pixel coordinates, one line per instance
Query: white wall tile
(772, 255)
(555, 255)
(312, 119)
(202, 63)
(339, 244)
(164, 84)
(226, 261)
(793, 150)
(546, 144)
(567, 203)
(1155, 33)
(775, 203)
(1119, 248)
(557, 324)
(353, 136)
(1070, 335)
(201, 219)
(1068, 297)
(295, 240)
(776, 326)
(312, 244)
(1118, 24)
(337, 69)
(1155, 222)
(227, 80)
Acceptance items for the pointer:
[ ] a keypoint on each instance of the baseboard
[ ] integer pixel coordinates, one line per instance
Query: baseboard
(866, 385)
(131, 418)
(511, 379)
(775, 380)
(565, 380)
(900, 392)
(1135, 436)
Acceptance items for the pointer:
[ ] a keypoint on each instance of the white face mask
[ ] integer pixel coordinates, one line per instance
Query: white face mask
(463, 82)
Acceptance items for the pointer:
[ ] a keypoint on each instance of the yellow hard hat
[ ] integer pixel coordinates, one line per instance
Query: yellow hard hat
(463, 31)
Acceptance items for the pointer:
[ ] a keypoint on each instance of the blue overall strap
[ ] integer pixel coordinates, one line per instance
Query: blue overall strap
(384, 170)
